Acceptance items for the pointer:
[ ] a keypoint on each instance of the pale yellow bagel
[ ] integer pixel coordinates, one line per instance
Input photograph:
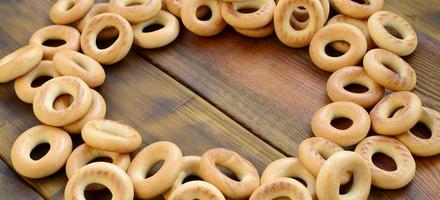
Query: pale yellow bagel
(406, 166)
(328, 180)
(161, 181)
(261, 32)
(20, 62)
(401, 76)
(322, 127)
(23, 85)
(411, 110)
(262, 16)
(68, 11)
(145, 10)
(72, 63)
(83, 154)
(56, 32)
(314, 151)
(384, 40)
(357, 10)
(247, 174)
(354, 75)
(332, 33)
(109, 175)
(190, 167)
(289, 167)
(108, 135)
(420, 146)
(96, 111)
(60, 149)
(210, 27)
(158, 38)
(49, 91)
(361, 24)
(286, 33)
(97, 9)
(118, 50)
(281, 188)
(196, 190)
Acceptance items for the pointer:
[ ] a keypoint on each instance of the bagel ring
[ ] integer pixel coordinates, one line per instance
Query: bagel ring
(286, 33)
(424, 147)
(49, 91)
(197, 190)
(386, 124)
(328, 180)
(264, 31)
(312, 152)
(96, 111)
(361, 24)
(108, 135)
(72, 63)
(354, 75)
(325, 36)
(20, 62)
(210, 27)
(97, 9)
(84, 154)
(146, 9)
(247, 174)
(60, 148)
(261, 17)
(68, 11)
(118, 50)
(383, 39)
(358, 10)
(69, 35)
(23, 85)
(322, 127)
(405, 164)
(281, 188)
(163, 179)
(158, 38)
(401, 76)
(289, 167)
(109, 175)
(190, 167)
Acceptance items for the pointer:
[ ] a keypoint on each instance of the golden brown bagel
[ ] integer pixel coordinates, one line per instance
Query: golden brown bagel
(68, 11)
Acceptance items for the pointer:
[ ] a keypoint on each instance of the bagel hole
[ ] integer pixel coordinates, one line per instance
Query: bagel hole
(104, 194)
(102, 42)
(393, 32)
(390, 67)
(54, 43)
(296, 14)
(247, 10)
(344, 189)
(302, 181)
(134, 3)
(152, 27)
(62, 102)
(384, 162)
(324, 154)
(365, 2)
(341, 123)
(204, 13)
(356, 88)
(40, 151)
(191, 178)
(40, 81)
(395, 112)
(101, 159)
(69, 5)
(156, 167)
(106, 33)
(332, 52)
(227, 172)
(421, 130)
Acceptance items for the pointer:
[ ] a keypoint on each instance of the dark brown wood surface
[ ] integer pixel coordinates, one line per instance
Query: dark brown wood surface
(255, 96)
(12, 186)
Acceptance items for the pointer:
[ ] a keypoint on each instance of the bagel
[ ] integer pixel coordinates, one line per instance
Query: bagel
(60, 149)
(281, 188)
(214, 25)
(384, 123)
(196, 190)
(190, 167)
(406, 166)
(69, 35)
(145, 10)
(20, 62)
(69, 11)
(354, 75)
(357, 10)
(261, 17)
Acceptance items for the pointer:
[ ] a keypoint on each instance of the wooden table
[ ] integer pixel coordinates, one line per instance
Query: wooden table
(254, 96)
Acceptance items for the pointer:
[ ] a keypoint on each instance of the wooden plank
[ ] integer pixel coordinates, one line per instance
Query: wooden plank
(13, 187)
(137, 93)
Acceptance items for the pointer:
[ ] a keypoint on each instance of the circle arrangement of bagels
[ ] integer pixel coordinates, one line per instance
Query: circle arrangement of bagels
(66, 104)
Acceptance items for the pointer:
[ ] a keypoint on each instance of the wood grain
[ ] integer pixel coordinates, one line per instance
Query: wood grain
(13, 187)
